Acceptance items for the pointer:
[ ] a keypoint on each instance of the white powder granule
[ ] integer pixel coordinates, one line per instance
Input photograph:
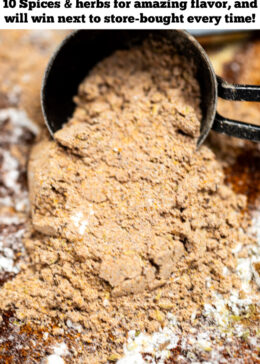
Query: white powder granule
(158, 345)
(20, 119)
(53, 359)
(61, 349)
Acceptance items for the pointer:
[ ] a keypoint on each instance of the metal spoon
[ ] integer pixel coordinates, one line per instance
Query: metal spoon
(82, 49)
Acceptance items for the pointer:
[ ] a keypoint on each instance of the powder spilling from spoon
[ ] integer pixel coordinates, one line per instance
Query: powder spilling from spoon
(130, 223)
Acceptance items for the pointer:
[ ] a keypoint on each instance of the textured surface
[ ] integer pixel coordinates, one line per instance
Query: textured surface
(23, 342)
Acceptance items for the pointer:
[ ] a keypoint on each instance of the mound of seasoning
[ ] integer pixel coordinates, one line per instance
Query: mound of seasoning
(130, 223)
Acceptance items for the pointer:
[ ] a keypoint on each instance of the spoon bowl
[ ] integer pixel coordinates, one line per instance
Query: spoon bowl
(83, 49)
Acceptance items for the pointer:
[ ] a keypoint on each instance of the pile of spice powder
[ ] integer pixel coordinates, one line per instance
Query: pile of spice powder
(129, 222)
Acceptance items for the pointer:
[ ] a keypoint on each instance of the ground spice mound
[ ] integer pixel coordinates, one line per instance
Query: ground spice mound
(130, 223)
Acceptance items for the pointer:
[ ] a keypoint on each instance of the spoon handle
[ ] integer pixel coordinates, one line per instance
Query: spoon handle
(236, 128)
(231, 92)
(231, 127)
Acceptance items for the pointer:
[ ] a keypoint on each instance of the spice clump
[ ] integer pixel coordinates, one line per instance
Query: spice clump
(129, 221)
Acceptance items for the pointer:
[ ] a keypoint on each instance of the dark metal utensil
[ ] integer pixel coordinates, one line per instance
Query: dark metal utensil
(82, 49)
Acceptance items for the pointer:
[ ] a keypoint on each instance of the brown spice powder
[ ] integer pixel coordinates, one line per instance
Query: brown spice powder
(129, 221)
